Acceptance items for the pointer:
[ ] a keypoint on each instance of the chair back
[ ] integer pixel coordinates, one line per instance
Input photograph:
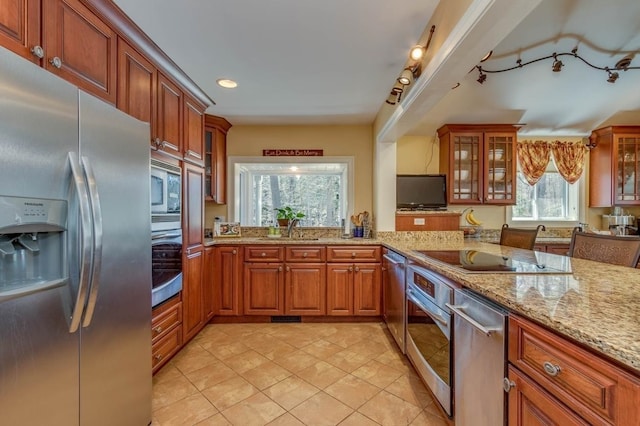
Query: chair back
(623, 251)
(519, 238)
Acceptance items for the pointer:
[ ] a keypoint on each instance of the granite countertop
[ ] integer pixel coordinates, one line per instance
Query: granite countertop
(597, 304)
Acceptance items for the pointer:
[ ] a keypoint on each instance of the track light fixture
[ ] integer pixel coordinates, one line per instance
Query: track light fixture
(623, 64)
(406, 77)
(395, 96)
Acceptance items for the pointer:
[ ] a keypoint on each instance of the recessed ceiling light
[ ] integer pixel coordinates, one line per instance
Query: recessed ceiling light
(226, 83)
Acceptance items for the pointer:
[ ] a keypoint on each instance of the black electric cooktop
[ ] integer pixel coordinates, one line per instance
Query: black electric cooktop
(478, 261)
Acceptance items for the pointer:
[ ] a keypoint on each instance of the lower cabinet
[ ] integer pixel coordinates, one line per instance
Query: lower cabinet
(227, 284)
(354, 289)
(192, 294)
(305, 289)
(166, 331)
(208, 278)
(263, 289)
(562, 249)
(556, 382)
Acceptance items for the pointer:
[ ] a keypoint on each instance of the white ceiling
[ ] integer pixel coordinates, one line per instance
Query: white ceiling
(335, 61)
(296, 62)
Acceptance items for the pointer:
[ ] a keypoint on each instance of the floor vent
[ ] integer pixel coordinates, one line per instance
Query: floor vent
(286, 318)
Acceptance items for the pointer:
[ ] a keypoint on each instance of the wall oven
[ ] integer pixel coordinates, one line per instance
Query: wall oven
(165, 190)
(166, 261)
(430, 332)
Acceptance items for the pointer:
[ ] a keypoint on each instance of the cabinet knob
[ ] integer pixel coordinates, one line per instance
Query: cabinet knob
(234, 251)
(56, 62)
(304, 254)
(507, 384)
(350, 268)
(158, 357)
(288, 269)
(279, 268)
(357, 269)
(384, 269)
(353, 254)
(157, 329)
(37, 51)
(551, 369)
(263, 254)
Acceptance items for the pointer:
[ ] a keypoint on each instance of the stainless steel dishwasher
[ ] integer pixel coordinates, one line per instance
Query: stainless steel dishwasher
(394, 296)
(479, 353)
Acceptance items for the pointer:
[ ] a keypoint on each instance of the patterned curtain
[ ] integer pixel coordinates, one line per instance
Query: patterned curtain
(569, 158)
(533, 158)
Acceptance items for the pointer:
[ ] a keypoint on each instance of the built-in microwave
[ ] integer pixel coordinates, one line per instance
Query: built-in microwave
(166, 196)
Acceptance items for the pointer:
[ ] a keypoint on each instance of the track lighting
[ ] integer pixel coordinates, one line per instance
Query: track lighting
(406, 77)
(623, 64)
(395, 95)
(417, 52)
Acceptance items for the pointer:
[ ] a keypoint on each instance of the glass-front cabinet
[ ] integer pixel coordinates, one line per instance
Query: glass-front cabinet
(215, 158)
(614, 166)
(480, 163)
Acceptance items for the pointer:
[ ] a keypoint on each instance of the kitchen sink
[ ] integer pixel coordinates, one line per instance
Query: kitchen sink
(289, 239)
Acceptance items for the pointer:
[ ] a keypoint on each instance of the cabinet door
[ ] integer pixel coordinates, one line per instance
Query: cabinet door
(465, 168)
(263, 289)
(170, 117)
(215, 164)
(339, 289)
(208, 277)
(137, 83)
(367, 289)
(305, 289)
(228, 268)
(80, 47)
(562, 249)
(193, 206)
(192, 306)
(626, 175)
(500, 168)
(20, 27)
(530, 405)
(193, 131)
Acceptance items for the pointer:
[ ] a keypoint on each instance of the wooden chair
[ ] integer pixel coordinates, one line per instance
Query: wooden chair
(519, 238)
(623, 251)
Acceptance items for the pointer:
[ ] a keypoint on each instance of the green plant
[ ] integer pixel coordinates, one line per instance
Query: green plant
(288, 213)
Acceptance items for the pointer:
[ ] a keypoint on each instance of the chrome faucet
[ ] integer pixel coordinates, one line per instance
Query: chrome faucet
(292, 223)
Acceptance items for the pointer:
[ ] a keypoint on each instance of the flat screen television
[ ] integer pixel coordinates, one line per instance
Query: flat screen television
(421, 192)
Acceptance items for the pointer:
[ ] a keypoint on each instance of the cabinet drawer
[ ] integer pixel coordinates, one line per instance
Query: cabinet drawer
(263, 254)
(305, 254)
(165, 348)
(594, 388)
(353, 253)
(164, 318)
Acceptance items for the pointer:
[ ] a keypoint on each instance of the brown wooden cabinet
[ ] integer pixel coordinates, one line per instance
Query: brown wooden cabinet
(574, 380)
(227, 284)
(305, 281)
(555, 248)
(166, 331)
(79, 47)
(416, 221)
(137, 85)
(169, 120)
(193, 206)
(480, 163)
(614, 166)
(193, 131)
(263, 288)
(208, 287)
(215, 158)
(20, 27)
(192, 294)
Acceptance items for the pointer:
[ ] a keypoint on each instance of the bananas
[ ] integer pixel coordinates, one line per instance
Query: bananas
(471, 220)
(469, 255)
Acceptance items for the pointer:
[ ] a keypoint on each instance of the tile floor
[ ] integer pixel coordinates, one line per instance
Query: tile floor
(292, 374)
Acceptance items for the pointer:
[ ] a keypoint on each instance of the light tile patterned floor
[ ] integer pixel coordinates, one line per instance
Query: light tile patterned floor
(349, 374)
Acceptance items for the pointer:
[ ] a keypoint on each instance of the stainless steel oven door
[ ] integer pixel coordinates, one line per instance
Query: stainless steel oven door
(166, 265)
(429, 344)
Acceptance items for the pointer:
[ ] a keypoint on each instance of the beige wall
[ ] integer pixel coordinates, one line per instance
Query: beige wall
(345, 140)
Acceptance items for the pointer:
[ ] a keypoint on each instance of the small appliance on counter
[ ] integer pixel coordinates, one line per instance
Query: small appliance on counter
(619, 223)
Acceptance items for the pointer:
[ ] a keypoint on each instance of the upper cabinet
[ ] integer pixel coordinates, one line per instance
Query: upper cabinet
(614, 166)
(215, 158)
(193, 113)
(170, 117)
(480, 163)
(64, 37)
(137, 82)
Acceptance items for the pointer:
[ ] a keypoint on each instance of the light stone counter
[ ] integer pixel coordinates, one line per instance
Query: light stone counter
(597, 305)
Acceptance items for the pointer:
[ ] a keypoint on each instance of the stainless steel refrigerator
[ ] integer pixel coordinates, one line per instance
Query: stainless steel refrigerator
(75, 255)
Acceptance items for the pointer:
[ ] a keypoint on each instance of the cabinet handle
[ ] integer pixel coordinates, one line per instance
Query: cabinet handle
(192, 153)
(507, 384)
(37, 51)
(279, 268)
(263, 254)
(56, 62)
(353, 254)
(288, 269)
(157, 329)
(357, 269)
(551, 369)
(384, 269)
(304, 254)
(158, 357)
(234, 251)
(350, 268)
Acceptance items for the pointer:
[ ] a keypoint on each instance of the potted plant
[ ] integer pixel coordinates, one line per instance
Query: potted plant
(286, 214)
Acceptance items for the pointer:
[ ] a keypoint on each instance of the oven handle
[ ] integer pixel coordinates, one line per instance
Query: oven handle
(458, 310)
(166, 235)
(437, 317)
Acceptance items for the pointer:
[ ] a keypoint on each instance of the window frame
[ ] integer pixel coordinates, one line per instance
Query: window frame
(233, 178)
(580, 206)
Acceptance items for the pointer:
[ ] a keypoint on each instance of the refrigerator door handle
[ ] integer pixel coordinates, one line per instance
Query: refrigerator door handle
(96, 213)
(85, 244)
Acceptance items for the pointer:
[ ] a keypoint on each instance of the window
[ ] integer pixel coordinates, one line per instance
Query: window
(551, 201)
(319, 187)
